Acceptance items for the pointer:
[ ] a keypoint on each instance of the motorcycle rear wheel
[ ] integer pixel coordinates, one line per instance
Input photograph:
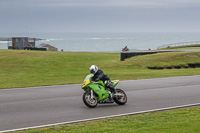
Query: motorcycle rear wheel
(92, 103)
(120, 99)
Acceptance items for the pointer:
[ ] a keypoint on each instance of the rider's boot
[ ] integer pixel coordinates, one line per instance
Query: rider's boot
(113, 89)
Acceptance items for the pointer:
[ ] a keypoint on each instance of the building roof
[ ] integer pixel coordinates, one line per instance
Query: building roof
(10, 38)
(45, 45)
(5, 38)
(42, 44)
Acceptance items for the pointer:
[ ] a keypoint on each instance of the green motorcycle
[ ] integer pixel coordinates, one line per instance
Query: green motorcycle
(97, 93)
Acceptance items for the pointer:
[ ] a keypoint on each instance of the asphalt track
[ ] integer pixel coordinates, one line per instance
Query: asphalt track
(31, 107)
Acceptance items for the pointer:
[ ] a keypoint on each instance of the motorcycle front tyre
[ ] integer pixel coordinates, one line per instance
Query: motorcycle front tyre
(91, 103)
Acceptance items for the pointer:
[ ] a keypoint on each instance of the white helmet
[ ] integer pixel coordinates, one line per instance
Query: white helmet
(93, 69)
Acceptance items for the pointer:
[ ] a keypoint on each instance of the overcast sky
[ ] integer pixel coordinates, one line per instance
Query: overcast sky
(99, 15)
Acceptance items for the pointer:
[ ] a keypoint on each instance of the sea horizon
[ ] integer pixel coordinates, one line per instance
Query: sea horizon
(106, 41)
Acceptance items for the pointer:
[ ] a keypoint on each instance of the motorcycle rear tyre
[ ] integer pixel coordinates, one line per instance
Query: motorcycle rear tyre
(117, 100)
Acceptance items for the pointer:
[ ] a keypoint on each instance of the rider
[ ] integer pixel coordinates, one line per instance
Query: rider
(99, 75)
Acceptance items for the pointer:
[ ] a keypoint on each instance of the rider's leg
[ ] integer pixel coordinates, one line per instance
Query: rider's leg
(109, 85)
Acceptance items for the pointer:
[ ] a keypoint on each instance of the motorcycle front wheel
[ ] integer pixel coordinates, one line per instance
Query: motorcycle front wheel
(120, 97)
(90, 102)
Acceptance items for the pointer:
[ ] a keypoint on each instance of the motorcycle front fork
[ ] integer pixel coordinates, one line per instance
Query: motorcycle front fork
(92, 95)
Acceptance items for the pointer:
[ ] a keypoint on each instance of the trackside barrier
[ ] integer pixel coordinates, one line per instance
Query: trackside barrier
(180, 44)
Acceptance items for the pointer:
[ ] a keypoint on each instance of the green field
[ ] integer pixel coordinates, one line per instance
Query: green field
(20, 68)
(175, 121)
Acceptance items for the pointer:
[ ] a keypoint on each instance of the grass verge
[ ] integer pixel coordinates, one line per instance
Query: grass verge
(176, 121)
(19, 68)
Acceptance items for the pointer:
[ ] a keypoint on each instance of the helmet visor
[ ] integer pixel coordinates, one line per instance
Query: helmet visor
(92, 71)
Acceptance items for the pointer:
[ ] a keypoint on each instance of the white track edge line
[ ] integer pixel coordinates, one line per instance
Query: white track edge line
(97, 118)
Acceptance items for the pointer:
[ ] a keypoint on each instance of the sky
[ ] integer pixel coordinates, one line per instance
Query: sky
(99, 16)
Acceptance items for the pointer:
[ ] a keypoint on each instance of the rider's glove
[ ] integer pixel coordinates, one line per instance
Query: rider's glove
(97, 79)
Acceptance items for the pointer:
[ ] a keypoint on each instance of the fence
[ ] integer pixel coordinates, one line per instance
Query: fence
(179, 44)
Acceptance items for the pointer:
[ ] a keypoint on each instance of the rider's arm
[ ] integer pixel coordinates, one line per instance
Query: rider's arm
(100, 75)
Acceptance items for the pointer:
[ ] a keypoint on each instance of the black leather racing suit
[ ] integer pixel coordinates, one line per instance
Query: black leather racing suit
(99, 75)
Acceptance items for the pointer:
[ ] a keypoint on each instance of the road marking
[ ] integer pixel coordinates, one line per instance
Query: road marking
(97, 118)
